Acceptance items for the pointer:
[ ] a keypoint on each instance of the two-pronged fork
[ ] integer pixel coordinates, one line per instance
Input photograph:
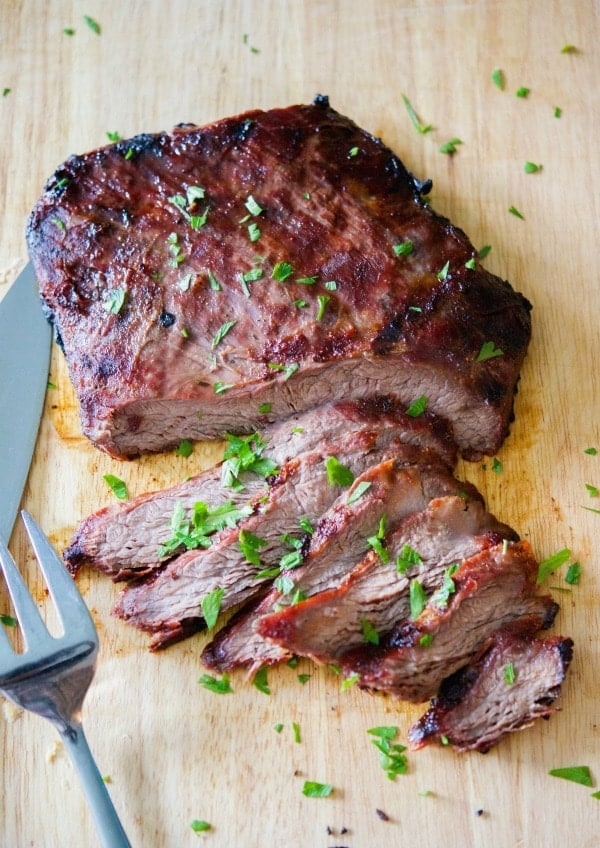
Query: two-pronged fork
(52, 675)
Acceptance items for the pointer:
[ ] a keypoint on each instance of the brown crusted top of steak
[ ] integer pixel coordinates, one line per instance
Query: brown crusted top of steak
(330, 622)
(492, 589)
(479, 704)
(145, 269)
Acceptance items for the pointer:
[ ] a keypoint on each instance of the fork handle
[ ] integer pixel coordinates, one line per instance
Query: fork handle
(107, 821)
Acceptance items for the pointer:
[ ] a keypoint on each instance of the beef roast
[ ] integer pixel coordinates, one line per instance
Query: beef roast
(217, 278)
(492, 589)
(515, 681)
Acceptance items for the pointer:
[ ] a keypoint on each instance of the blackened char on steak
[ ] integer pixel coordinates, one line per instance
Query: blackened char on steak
(217, 278)
(516, 680)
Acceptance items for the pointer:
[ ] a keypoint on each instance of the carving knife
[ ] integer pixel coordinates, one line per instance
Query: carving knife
(24, 359)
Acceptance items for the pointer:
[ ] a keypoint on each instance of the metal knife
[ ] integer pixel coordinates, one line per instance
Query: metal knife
(24, 358)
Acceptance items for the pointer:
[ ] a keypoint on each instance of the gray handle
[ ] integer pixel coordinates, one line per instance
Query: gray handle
(107, 821)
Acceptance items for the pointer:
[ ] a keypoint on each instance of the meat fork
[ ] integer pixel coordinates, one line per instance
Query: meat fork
(52, 675)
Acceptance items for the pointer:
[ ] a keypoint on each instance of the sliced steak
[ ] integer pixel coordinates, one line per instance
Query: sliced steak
(123, 540)
(515, 681)
(492, 589)
(171, 596)
(375, 594)
(334, 552)
(214, 279)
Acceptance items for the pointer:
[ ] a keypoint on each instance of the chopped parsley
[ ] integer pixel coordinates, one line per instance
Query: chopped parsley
(5, 91)
(443, 274)
(303, 678)
(338, 474)
(523, 91)
(514, 211)
(222, 332)
(252, 206)
(252, 275)
(244, 454)
(592, 490)
(185, 282)
(573, 574)
(377, 542)
(498, 78)
(250, 546)
(113, 136)
(404, 248)
(569, 48)
(218, 685)
(184, 448)
(199, 826)
(264, 408)
(577, 774)
(488, 351)
(392, 758)
(471, 264)
(420, 127)
(93, 25)
(331, 285)
(323, 300)
(312, 789)
(115, 301)
(211, 606)
(509, 674)
(418, 599)
(306, 281)
(349, 681)
(8, 620)
(483, 251)
(261, 682)
(68, 31)
(281, 271)
(407, 558)
(287, 370)
(194, 531)
(117, 486)
(220, 388)
(214, 283)
(591, 451)
(448, 587)
(417, 407)
(254, 232)
(353, 152)
(58, 224)
(557, 112)
(426, 640)
(496, 466)
(358, 492)
(532, 168)
(551, 564)
(370, 635)
(450, 146)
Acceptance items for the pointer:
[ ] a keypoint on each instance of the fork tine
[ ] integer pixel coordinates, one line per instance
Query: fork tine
(63, 589)
(32, 626)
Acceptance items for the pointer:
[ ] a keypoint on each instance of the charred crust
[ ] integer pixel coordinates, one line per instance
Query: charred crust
(143, 143)
(565, 651)
(422, 187)
(241, 130)
(321, 100)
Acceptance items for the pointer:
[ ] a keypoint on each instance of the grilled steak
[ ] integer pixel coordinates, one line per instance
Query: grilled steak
(123, 539)
(168, 601)
(331, 621)
(515, 681)
(214, 279)
(492, 589)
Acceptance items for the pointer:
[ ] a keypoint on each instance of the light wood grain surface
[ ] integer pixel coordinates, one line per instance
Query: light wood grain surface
(175, 752)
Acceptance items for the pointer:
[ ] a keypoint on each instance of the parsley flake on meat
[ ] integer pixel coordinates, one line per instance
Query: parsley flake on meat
(244, 454)
(194, 531)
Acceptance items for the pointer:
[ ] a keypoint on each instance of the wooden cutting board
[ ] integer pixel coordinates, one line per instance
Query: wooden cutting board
(174, 752)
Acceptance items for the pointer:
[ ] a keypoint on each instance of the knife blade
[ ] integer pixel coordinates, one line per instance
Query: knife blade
(24, 359)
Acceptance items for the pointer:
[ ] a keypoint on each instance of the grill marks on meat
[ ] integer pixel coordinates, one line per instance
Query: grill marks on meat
(493, 588)
(391, 326)
(476, 707)
(170, 597)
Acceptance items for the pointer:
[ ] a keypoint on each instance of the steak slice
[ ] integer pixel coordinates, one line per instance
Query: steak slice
(478, 705)
(334, 552)
(167, 601)
(332, 622)
(492, 589)
(214, 279)
(123, 539)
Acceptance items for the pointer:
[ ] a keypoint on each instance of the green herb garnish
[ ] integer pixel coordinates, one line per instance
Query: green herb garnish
(219, 685)
(483, 252)
(407, 558)
(93, 25)
(254, 232)
(370, 635)
(306, 281)
(252, 206)
(358, 492)
(417, 407)
(264, 408)
(418, 599)
(577, 774)
(323, 300)
(514, 211)
(448, 587)
(532, 168)
(522, 91)
(117, 486)
(471, 264)
(211, 605)
(184, 448)
(194, 531)
(573, 574)
(592, 490)
(331, 285)
(426, 640)
(551, 564)
(349, 681)
(214, 283)
(220, 388)
(498, 78)
(488, 351)
(312, 789)
(281, 271)
(420, 128)
(338, 474)
(8, 620)
(245, 454)
(557, 112)
(377, 542)
(591, 451)
(391, 756)
(443, 274)
(353, 152)
(222, 332)
(261, 682)
(450, 146)
(496, 466)
(250, 546)
(509, 674)
(199, 826)
(58, 224)
(404, 248)
(569, 48)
